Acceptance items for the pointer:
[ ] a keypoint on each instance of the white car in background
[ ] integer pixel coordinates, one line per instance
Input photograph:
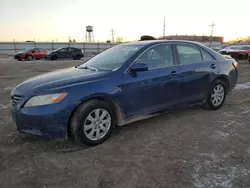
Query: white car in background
(227, 49)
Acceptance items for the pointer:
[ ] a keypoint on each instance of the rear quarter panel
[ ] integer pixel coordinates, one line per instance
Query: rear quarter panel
(229, 71)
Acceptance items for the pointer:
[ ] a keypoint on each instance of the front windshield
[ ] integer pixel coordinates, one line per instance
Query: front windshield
(111, 59)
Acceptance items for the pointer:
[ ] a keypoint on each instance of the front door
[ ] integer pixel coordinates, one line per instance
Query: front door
(197, 69)
(63, 53)
(36, 53)
(153, 90)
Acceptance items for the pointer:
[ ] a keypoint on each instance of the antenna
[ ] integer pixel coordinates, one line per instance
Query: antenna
(211, 35)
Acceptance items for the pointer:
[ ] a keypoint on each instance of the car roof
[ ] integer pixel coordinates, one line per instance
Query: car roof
(148, 43)
(163, 41)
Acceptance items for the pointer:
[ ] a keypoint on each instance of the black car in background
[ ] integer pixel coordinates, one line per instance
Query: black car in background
(65, 53)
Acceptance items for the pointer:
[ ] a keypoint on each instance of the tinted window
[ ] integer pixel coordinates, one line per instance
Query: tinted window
(188, 54)
(206, 56)
(71, 49)
(157, 57)
(41, 49)
(63, 50)
(35, 50)
(245, 48)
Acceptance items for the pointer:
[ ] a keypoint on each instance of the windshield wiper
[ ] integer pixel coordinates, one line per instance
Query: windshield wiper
(90, 68)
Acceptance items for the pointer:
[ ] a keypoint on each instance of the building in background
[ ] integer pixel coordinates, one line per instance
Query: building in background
(203, 39)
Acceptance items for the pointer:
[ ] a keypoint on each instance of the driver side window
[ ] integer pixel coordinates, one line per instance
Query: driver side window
(35, 50)
(159, 56)
(63, 50)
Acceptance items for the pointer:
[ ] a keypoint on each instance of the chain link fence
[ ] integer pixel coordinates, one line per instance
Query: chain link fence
(11, 48)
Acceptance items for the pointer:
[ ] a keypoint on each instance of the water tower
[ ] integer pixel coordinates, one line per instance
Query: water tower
(89, 34)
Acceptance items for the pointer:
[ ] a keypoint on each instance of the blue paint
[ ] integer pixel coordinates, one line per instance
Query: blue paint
(135, 93)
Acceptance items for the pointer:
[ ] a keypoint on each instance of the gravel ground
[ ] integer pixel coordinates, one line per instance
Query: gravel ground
(187, 148)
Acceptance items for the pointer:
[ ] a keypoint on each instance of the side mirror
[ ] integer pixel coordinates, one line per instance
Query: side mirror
(139, 67)
(33, 51)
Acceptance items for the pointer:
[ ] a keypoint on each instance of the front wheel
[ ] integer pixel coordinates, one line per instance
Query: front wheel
(54, 57)
(217, 95)
(92, 123)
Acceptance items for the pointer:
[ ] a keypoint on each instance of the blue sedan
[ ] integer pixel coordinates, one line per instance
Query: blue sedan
(123, 84)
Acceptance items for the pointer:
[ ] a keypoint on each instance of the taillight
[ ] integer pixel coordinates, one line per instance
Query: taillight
(235, 64)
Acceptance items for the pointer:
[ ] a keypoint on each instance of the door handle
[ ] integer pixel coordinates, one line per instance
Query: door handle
(173, 74)
(213, 66)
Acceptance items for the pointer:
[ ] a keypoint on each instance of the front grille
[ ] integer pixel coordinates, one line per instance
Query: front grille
(15, 99)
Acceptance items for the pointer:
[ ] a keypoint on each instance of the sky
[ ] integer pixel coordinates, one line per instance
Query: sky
(49, 20)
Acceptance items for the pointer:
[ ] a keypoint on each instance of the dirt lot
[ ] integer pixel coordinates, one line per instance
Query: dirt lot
(188, 148)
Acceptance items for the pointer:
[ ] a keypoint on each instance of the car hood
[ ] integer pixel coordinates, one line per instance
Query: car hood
(18, 53)
(58, 79)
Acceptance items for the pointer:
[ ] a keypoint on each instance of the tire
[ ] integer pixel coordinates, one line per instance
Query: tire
(77, 57)
(79, 127)
(54, 57)
(29, 58)
(211, 102)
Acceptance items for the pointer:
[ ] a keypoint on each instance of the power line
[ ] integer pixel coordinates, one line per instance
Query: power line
(112, 34)
(164, 27)
(211, 35)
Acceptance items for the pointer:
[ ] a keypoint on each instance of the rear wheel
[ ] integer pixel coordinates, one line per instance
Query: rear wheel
(92, 123)
(77, 57)
(29, 58)
(217, 95)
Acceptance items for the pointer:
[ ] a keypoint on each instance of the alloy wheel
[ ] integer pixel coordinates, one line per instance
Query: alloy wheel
(97, 124)
(217, 95)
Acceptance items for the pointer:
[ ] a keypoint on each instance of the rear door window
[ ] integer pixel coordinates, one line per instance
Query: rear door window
(206, 56)
(41, 50)
(188, 54)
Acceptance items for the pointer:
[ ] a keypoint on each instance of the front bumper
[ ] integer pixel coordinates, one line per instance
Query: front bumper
(47, 56)
(49, 122)
(19, 57)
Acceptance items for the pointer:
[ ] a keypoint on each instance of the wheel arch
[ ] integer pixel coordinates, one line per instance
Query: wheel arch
(225, 79)
(117, 109)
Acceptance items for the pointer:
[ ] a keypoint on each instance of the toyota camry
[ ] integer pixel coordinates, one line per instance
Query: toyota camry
(123, 84)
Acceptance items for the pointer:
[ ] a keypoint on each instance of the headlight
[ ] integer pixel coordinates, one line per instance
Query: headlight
(45, 99)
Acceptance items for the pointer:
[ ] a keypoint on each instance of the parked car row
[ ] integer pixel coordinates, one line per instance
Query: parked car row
(239, 52)
(40, 53)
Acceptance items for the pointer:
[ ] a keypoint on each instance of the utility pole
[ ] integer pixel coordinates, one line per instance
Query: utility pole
(112, 34)
(211, 35)
(164, 28)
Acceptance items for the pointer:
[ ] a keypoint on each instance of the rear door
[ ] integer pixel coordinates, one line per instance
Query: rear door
(42, 52)
(36, 53)
(197, 70)
(71, 52)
